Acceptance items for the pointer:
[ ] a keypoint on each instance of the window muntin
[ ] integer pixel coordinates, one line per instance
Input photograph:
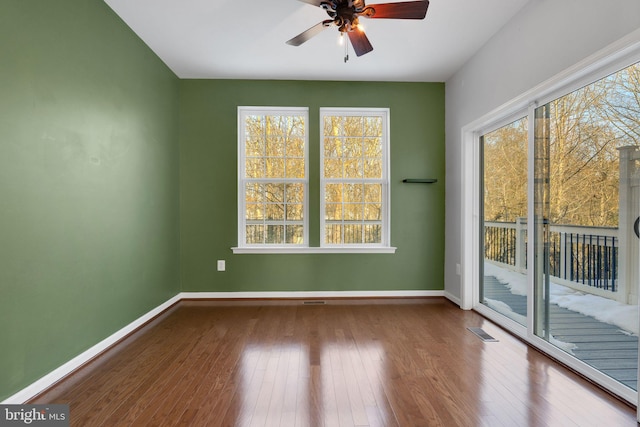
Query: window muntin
(354, 177)
(273, 176)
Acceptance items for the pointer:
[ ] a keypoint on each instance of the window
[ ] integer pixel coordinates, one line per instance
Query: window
(354, 177)
(273, 179)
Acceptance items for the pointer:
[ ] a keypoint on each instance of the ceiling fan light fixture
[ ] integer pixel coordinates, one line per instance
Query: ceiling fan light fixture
(368, 11)
(344, 14)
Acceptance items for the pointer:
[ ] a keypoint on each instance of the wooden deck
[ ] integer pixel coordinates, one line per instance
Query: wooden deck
(605, 347)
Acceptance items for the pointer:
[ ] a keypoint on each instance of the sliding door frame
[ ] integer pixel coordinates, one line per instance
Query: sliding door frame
(617, 56)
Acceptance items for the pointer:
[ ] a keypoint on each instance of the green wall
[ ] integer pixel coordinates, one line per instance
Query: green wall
(88, 182)
(208, 203)
(118, 185)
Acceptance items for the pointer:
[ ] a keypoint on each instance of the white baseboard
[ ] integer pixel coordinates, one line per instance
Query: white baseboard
(77, 362)
(310, 294)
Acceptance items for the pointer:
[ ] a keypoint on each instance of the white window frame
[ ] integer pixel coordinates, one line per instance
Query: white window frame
(243, 112)
(243, 248)
(384, 180)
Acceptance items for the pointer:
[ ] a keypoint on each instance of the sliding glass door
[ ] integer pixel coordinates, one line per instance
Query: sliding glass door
(559, 226)
(585, 204)
(503, 281)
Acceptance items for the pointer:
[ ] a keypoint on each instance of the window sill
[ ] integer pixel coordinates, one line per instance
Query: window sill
(316, 250)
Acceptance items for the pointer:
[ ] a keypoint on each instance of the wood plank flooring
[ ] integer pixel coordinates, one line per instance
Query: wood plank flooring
(346, 363)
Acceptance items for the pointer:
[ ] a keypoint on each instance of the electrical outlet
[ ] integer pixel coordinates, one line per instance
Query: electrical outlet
(221, 265)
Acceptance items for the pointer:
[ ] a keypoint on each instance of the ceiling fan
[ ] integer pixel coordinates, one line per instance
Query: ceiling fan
(344, 14)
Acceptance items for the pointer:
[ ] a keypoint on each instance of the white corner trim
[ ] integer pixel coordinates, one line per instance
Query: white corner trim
(310, 294)
(77, 362)
(454, 299)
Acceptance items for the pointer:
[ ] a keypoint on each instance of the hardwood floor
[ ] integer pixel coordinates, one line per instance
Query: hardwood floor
(346, 363)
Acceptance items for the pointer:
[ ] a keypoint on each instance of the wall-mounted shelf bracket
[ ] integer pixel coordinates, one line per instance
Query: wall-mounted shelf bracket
(420, 180)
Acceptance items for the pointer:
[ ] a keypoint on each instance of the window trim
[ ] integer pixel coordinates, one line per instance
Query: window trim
(384, 113)
(243, 248)
(315, 250)
(244, 111)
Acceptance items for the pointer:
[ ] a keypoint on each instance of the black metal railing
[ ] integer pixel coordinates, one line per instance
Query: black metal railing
(585, 255)
(589, 259)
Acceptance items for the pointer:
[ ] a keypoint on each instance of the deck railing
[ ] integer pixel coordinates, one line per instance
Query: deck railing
(587, 256)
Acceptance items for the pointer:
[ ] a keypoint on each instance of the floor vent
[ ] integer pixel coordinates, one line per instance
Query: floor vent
(313, 302)
(483, 335)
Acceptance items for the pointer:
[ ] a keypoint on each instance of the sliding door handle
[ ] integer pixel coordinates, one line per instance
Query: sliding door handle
(636, 227)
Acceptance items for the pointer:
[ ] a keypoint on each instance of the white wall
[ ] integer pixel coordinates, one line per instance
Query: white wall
(543, 39)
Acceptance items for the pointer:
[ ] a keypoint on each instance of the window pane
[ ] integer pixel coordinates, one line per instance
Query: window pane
(295, 146)
(254, 192)
(333, 193)
(353, 126)
(504, 202)
(297, 127)
(276, 125)
(254, 211)
(275, 212)
(353, 193)
(373, 126)
(275, 168)
(353, 168)
(254, 234)
(353, 211)
(353, 147)
(372, 212)
(275, 147)
(333, 212)
(295, 168)
(333, 147)
(274, 234)
(294, 193)
(333, 234)
(333, 168)
(254, 167)
(373, 192)
(373, 147)
(295, 234)
(353, 233)
(295, 212)
(254, 145)
(274, 192)
(333, 126)
(254, 127)
(373, 168)
(373, 233)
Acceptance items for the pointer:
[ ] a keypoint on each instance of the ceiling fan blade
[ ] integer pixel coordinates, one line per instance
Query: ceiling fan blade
(306, 35)
(404, 10)
(360, 42)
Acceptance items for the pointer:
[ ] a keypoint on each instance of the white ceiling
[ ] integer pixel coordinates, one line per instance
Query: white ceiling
(245, 39)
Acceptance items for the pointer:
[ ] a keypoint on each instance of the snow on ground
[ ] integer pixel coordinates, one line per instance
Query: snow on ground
(605, 310)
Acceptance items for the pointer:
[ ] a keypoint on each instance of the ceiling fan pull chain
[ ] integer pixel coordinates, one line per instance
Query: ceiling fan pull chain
(346, 51)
